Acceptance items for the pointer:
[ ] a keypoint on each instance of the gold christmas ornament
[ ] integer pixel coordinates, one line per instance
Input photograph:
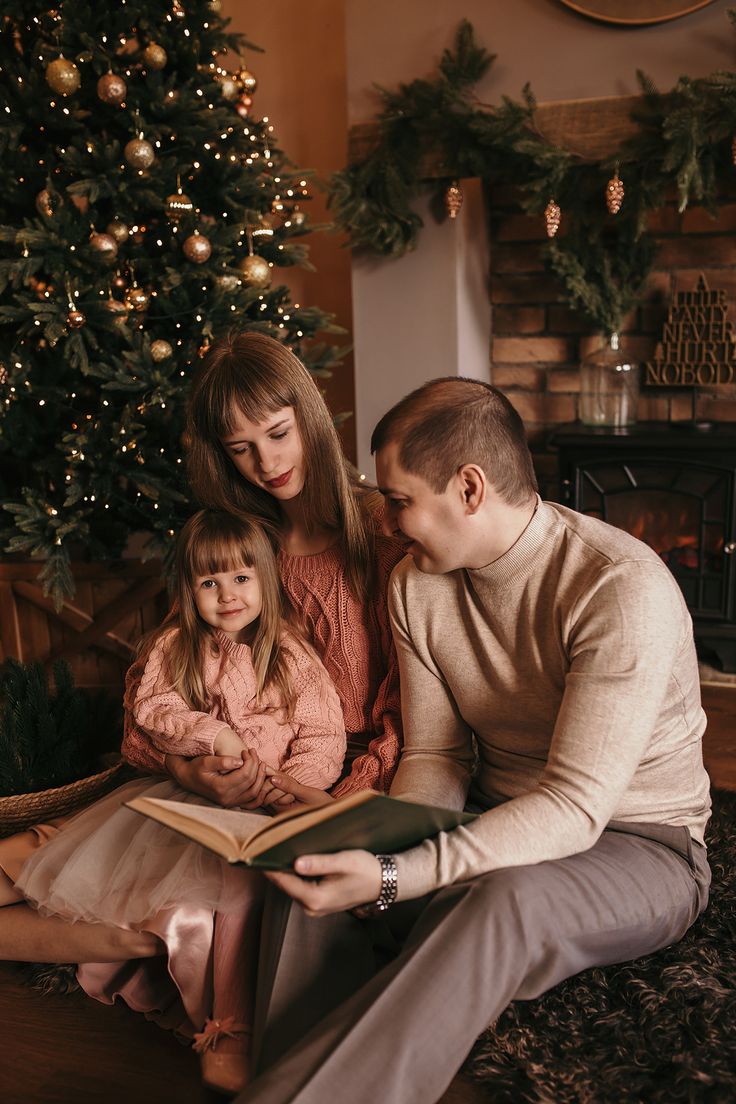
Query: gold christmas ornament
(4, 374)
(614, 194)
(118, 310)
(215, 6)
(228, 281)
(75, 319)
(552, 215)
(178, 205)
(104, 245)
(63, 76)
(256, 271)
(139, 153)
(154, 56)
(247, 80)
(47, 202)
(453, 199)
(197, 248)
(119, 281)
(137, 299)
(118, 230)
(230, 87)
(160, 350)
(112, 89)
(177, 10)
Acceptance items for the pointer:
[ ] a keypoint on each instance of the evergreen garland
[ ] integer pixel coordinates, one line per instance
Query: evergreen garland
(49, 739)
(438, 129)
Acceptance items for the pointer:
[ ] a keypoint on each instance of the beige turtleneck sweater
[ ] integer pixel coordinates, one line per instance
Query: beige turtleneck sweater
(571, 659)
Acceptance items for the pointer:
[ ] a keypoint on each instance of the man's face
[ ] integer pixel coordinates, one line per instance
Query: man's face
(432, 522)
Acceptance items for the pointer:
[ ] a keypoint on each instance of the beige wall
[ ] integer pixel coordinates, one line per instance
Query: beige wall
(316, 78)
(302, 89)
(563, 55)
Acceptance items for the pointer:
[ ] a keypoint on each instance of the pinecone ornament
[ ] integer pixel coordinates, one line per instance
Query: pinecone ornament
(453, 199)
(614, 193)
(552, 215)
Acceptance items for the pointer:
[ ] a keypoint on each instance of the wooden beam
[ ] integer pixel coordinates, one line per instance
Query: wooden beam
(109, 617)
(592, 129)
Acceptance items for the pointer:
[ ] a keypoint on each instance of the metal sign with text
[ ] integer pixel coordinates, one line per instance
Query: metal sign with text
(698, 346)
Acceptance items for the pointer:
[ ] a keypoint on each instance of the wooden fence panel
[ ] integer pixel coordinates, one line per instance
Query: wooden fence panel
(96, 631)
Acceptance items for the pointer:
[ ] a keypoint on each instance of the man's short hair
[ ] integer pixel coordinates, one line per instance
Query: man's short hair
(453, 421)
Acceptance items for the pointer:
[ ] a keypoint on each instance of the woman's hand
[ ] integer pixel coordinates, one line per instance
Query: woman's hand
(223, 779)
(331, 883)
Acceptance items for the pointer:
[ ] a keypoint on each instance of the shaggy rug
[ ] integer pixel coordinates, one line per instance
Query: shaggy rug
(659, 1030)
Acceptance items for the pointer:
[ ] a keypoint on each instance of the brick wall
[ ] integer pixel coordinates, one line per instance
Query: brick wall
(536, 338)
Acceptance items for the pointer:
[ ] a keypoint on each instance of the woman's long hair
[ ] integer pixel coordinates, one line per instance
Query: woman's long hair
(256, 376)
(214, 541)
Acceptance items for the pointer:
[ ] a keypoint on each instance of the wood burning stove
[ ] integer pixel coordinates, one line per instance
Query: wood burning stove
(674, 487)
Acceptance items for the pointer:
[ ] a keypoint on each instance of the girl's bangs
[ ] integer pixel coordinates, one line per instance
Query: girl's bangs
(219, 552)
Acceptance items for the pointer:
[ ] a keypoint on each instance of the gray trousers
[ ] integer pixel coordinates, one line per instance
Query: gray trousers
(359, 1011)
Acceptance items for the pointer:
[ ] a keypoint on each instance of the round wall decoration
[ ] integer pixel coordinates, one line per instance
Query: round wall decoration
(635, 12)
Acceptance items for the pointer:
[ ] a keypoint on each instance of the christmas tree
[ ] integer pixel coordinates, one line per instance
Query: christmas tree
(144, 209)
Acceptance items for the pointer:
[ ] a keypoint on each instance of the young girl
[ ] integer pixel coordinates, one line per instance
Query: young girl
(224, 675)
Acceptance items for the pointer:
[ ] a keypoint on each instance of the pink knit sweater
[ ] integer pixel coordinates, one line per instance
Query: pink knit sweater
(310, 746)
(356, 646)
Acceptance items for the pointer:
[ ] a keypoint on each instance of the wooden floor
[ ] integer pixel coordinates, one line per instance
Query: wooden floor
(72, 1050)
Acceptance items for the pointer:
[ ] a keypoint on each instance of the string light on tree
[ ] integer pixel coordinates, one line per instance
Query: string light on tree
(552, 216)
(614, 193)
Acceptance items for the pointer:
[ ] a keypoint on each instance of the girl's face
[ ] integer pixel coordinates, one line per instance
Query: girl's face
(230, 601)
(270, 453)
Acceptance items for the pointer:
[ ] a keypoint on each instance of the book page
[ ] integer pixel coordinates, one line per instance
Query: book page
(224, 831)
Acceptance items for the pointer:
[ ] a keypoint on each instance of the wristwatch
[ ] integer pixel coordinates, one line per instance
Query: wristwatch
(389, 889)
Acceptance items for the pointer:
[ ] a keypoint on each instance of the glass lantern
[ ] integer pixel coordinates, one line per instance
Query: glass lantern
(609, 386)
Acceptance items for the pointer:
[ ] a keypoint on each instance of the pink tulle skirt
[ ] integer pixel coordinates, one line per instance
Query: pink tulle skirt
(114, 866)
(110, 865)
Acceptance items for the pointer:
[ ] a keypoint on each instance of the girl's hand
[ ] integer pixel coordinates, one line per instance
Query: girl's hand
(227, 743)
(286, 787)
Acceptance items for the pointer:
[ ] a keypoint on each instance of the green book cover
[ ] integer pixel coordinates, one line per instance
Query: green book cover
(366, 821)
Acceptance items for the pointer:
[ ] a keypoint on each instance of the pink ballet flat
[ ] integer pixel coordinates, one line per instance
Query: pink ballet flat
(224, 1054)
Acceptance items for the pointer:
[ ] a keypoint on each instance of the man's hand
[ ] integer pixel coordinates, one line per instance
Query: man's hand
(344, 880)
(223, 779)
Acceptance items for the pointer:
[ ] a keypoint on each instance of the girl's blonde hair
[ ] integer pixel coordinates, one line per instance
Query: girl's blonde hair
(213, 541)
(256, 376)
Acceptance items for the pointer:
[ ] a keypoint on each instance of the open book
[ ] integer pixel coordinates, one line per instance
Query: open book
(365, 820)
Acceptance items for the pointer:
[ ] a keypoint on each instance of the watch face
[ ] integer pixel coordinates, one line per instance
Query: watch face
(633, 12)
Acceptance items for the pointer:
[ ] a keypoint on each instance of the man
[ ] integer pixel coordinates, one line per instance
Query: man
(558, 651)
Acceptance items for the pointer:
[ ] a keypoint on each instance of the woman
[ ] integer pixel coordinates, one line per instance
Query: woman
(260, 438)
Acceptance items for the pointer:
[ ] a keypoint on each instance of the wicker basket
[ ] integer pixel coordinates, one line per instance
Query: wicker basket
(21, 811)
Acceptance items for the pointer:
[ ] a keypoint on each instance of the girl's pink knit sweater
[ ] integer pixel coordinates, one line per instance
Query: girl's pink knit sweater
(355, 643)
(310, 745)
